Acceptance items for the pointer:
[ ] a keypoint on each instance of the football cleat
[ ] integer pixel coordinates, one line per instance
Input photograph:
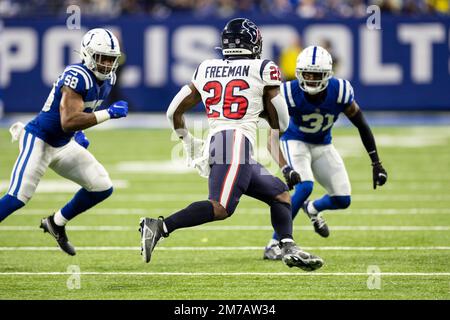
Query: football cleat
(59, 233)
(318, 222)
(272, 252)
(293, 256)
(151, 231)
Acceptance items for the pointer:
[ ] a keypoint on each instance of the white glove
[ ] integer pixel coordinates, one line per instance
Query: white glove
(196, 158)
(16, 130)
(193, 147)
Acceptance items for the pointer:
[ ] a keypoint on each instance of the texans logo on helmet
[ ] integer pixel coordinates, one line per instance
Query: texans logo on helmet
(252, 30)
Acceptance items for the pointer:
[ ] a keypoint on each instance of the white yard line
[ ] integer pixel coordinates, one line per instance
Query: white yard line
(253, 211)
(265, 274)
(239, 228)
(174, 197)
(212, 248)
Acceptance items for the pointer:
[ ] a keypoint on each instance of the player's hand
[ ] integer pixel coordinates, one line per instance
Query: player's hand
(118, 109)
(379, 174)
(193, 147)
(291, 176)
(81, 139)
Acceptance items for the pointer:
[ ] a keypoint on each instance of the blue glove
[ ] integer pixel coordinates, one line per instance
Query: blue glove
(118, 109)
(81, 139)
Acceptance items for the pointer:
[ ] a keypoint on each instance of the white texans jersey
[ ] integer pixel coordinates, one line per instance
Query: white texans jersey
(232, 92)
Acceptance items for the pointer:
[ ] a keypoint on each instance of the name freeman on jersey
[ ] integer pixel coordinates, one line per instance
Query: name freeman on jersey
(226, 71)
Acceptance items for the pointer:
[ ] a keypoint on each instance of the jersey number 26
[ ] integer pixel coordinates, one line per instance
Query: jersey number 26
(234, 105)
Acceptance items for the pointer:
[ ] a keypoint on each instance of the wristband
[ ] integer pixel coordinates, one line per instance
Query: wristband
(102, 116)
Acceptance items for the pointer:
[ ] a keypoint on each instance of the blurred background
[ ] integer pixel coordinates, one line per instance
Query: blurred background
(396, 53)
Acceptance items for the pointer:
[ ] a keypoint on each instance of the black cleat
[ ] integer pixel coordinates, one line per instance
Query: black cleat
(272, 252)
(151, 231)
(318, 222)
(293, 256)
(59, 233)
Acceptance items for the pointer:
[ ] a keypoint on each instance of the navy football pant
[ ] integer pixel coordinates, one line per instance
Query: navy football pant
(234, 172)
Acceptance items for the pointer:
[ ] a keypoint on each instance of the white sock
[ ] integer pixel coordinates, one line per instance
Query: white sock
(311, 208)
(59, 219)
(272, 242)
(165, 228)
(286, 240)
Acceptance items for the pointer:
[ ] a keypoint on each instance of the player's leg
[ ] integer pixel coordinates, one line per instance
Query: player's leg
(28, 170)
(330, 172)
(80, 166)
(229, 177)
(271, 190)
(77, 164)
(298, 155)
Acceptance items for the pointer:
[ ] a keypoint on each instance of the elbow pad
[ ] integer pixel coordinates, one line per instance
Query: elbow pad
(176, 101)
(282, 110)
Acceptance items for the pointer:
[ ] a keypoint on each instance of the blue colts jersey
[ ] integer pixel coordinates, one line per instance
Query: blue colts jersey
(47, 124)
(310, 122)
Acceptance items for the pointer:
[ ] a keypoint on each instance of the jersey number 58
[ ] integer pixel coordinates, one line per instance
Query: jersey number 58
(71, 81)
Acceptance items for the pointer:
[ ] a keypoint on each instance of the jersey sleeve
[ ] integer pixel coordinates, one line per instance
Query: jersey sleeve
(270, 73)
(195, 76)
(346, 95)
(77, 79)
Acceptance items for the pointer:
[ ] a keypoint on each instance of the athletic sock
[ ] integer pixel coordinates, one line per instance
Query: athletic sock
(82, 201)
(281, 216)
(9, 204)
(195, 214)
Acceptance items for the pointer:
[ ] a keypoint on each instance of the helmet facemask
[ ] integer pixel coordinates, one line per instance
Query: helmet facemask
(105, 65)
(313, 81)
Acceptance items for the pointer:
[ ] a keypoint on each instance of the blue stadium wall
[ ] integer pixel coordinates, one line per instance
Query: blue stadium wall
(404, 66)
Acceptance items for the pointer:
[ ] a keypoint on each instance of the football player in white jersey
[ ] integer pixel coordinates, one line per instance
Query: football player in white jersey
(54, 138)
(315, 100)
(235, 90)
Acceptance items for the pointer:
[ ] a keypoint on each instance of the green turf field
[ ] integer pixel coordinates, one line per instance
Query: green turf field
(401, 230)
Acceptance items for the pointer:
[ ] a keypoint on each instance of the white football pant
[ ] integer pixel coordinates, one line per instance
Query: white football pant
(322, 162)
(71, 161)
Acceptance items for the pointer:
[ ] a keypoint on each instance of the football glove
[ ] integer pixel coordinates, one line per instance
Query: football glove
(81, 139)
(379, 174)
(193, 148)
(291, 176)
(118, 109)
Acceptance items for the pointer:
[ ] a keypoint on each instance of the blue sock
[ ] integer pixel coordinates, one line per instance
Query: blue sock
(332, 203)
(302, 192)
(9, 204)
(82, 201)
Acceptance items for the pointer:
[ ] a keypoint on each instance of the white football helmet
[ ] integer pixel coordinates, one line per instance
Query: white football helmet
(100, 52)
(317, 61)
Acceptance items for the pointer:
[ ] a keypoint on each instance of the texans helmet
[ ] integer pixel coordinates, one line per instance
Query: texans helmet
(241, 37)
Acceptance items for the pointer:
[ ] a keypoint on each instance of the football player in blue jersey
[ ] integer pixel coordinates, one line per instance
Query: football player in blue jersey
(315, 100)
(46, 141)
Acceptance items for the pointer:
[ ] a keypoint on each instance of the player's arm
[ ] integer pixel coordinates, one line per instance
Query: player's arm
(355, 115)
(74, 119)
(71, 109)
(277, 116)
(187, 98)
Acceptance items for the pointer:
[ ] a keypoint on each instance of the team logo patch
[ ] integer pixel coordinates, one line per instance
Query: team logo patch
(252, 30)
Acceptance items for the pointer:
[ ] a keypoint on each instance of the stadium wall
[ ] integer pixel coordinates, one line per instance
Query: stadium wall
(403, 66)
